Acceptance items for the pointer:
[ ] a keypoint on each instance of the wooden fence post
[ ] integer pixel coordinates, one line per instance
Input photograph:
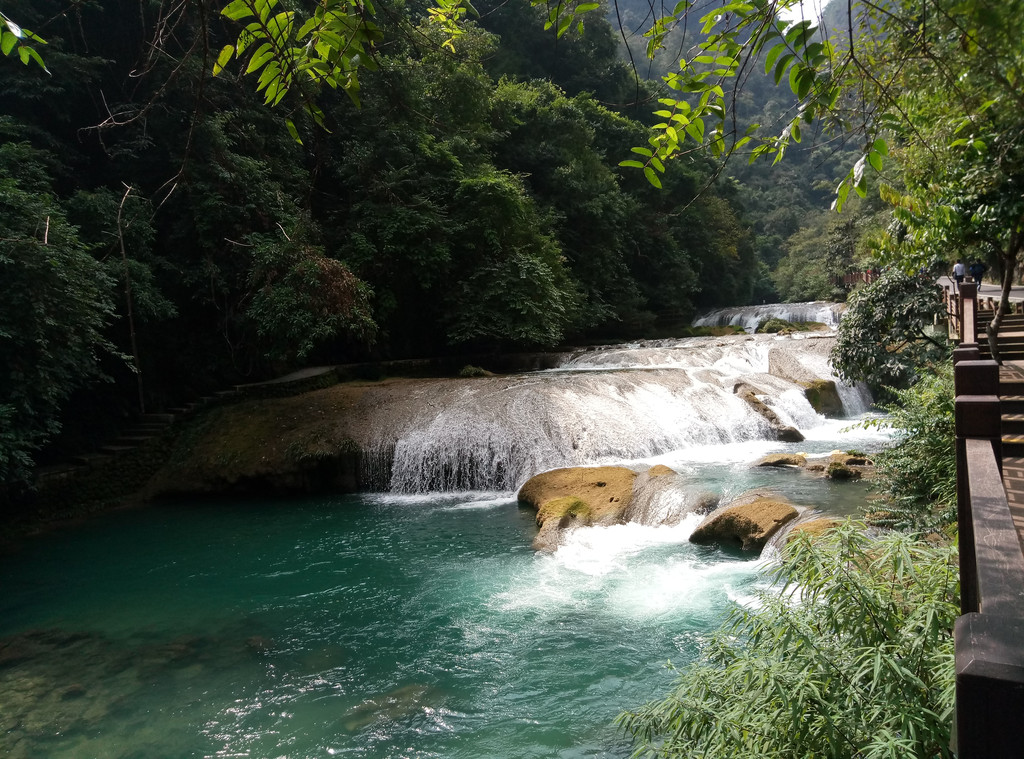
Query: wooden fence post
(976, 384)
(968, 312)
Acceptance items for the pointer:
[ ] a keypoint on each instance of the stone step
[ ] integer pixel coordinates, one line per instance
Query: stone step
(1013, 445)
(132, 440)
(146, 429)
(1013, 424)
(166, 418)
(113, 450)
(92, 459)
(1011, 404)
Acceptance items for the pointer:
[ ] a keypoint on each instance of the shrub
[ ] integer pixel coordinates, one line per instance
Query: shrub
(849, 655)
(917, 472)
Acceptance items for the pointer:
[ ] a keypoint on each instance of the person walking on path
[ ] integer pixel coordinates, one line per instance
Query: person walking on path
(959, 272)
(976, 270)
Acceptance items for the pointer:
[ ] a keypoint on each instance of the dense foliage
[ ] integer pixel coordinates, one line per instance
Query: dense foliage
(889, 330)
(850, 654)
(467, 204)
(917, 471)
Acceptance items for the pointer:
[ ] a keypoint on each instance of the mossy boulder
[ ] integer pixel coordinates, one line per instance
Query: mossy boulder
(748, 523)
(851, 459)
(576, 496)
(660, 470)
(783, 459)
(474, 371)
(839, 471)
(776, 326)
(823, 395)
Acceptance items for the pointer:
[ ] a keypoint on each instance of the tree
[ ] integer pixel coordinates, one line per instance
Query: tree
(887, 331)
(55, 307)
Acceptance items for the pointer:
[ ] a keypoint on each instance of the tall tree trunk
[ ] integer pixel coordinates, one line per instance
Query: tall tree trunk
(1008, 263)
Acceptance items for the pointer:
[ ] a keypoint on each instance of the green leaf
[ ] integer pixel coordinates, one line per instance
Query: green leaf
(652, 177)
(38, 59)
(773, 56)
(236, 10)
(564, 24)
(7, 42)
(780, 67)
(222, 60)
(631, 164)
(262, 56)
(292, 130)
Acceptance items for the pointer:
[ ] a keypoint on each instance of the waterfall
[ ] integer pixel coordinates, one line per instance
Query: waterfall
(607, 406)
(749, 317)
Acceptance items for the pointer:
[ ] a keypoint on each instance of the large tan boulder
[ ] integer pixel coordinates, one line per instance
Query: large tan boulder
(783, 459)
(749, 522)
(577, 496)
(813, 527)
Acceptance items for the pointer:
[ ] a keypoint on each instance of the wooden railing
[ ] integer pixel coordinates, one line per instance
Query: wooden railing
(858, 277)
(989, 634)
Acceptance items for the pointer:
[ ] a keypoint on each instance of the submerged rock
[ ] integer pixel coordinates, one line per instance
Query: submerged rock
(750, 522)
(395, 706)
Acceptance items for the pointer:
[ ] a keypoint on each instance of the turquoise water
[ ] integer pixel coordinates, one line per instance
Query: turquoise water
(357, 626)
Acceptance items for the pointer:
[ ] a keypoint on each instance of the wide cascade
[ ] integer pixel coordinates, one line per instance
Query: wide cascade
(609, 405)
(749, 317)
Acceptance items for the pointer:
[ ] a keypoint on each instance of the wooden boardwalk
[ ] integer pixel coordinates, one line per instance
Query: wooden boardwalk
(989, 634)
(1011, 400)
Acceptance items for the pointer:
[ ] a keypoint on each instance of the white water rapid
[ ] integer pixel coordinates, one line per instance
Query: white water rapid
(607, 406)
(749, 317)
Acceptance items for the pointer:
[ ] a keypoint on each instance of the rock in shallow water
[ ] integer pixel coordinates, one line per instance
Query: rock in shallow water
(576, 496)
(749, 523)
(783, 459)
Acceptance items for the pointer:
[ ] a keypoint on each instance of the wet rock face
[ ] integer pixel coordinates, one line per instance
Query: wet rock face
(749, 523)
(783, 432)
(824, 397)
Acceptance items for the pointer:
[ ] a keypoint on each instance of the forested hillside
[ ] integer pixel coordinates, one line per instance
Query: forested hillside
(803, 248)
(164, 232)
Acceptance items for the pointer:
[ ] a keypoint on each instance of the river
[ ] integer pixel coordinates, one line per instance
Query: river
(406, 623)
